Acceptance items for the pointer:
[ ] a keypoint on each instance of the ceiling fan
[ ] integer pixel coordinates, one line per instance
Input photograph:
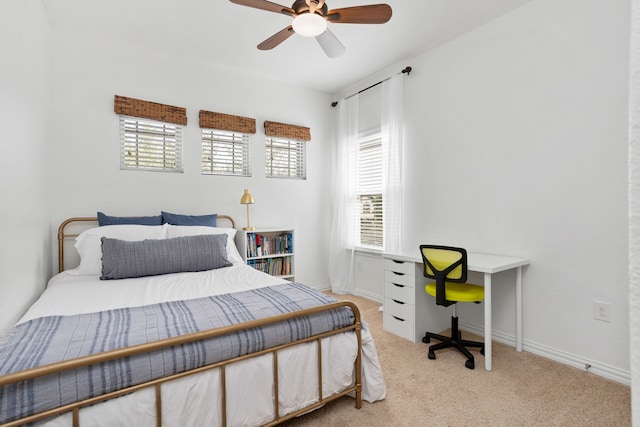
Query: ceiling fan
(310, 19)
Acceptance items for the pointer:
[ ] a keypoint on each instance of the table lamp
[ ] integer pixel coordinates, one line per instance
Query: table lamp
(247, 199)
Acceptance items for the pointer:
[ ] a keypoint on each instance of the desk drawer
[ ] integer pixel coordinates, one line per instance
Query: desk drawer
(398, 292)
(397, 326)
(399, 309)
(406, 267)
(399, 278)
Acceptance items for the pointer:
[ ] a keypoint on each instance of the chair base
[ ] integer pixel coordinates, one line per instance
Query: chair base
(455, 341)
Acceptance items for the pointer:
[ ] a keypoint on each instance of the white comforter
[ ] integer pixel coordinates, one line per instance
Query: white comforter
(195, 400)
(71, 294)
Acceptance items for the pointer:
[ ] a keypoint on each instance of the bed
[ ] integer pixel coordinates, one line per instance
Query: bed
(191, 345)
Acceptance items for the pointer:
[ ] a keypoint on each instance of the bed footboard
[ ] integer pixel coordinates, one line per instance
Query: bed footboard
(93, 359)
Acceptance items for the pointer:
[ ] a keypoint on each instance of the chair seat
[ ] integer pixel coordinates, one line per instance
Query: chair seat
(463, 292)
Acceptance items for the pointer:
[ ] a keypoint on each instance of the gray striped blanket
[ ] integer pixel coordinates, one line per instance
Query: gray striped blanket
(52, 339)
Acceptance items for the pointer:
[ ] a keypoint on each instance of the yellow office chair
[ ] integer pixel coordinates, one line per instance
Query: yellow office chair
(448, 266)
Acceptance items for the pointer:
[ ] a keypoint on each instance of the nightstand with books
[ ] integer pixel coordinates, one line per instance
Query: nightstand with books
(269, 250)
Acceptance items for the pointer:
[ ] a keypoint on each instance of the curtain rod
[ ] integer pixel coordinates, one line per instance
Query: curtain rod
(406, 70)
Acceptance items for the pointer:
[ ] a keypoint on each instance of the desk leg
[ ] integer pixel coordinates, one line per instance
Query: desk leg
(487, 321)
(519, 309)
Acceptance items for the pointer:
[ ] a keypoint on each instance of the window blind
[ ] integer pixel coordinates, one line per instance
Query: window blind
(286, 155)
(225, 153)
(150, 145)
(285, 158)
(370, 192)
(283, 130)
(229, 122)
(226, 143)
(149, 110)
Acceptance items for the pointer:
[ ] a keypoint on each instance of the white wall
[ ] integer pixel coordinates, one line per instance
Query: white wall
(24, 144)
(88, 72)
(516, 144)
(634, 211)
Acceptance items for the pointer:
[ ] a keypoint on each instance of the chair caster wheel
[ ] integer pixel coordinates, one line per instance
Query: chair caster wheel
(470, 364)
(426, 340)
(432, 356)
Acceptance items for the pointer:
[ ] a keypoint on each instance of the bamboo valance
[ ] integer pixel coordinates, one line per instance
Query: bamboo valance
(228, 122)
(283, 130)
(149, 110)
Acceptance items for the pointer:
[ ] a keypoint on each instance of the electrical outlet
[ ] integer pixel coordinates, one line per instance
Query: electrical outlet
(359, 266)
(602, 311)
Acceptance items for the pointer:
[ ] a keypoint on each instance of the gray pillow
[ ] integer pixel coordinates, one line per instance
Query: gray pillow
(122, 259)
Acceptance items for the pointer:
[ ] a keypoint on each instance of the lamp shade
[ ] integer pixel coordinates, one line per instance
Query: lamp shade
(247, 198)
(309, 24)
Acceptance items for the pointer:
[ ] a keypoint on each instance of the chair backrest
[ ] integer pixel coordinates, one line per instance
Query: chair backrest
(444, 264)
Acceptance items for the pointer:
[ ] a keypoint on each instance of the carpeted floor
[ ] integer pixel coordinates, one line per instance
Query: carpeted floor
(522, 390)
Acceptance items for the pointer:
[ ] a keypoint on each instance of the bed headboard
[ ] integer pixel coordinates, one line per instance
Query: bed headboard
(70, 228)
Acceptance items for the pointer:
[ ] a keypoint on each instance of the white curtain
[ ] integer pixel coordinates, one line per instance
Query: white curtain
(345, 208)
(391, 127)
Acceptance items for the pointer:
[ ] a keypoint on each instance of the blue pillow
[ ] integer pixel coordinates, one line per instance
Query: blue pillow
(138, 220)
(176, 219)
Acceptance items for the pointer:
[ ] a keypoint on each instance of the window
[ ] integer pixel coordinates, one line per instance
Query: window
(286, 158)
(225, 153)
(150, 145)
(150, 134)
(369, 192)
(286, 150)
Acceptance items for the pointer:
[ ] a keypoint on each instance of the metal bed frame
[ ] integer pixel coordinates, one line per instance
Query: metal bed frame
(193, 337)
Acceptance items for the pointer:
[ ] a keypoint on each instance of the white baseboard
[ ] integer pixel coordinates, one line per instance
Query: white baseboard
(357, 292)
(597, 368)
(369, 295)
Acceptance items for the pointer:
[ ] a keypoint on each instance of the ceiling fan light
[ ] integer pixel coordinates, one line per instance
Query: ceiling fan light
(309, 24)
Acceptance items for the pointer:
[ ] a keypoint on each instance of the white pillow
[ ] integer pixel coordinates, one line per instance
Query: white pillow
(89, 245)
(193, 230)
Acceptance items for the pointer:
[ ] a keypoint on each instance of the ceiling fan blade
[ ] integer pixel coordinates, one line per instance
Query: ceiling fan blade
(371, 14)
(266, 5)
(276, 39)
(330, 44)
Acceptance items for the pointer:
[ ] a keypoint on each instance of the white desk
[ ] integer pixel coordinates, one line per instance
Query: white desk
(488, 265)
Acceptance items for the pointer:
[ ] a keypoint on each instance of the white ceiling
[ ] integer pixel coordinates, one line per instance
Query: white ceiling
(228, 34)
